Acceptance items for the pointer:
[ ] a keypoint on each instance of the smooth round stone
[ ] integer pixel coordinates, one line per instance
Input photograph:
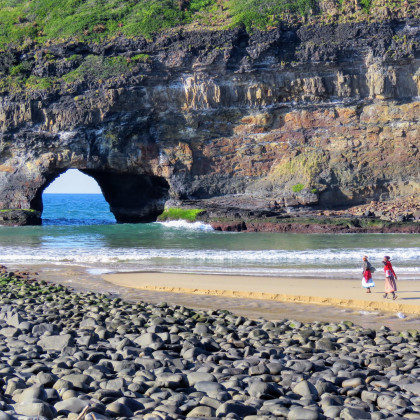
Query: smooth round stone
(239, 409)
(352, 382)
(350, 413)
(71, 405)
(119, 410)
(306, 389)
(69, 393)
(95, 416)
(332, 412)
(45, 379)
(324, 344)
(170, 380)
(62, 384)
(299, 413)
(201, 329)
(258, 334)
(196, 377)
(209, 388)
(78, 381)
(52, 394)
(260, 389)
(34, 409)
(132, 403)
(34, 392)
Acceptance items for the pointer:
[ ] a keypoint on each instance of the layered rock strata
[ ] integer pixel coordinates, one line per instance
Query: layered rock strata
(319, 116)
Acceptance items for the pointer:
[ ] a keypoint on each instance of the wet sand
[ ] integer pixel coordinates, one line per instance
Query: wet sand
(342, 293)
(81, 279)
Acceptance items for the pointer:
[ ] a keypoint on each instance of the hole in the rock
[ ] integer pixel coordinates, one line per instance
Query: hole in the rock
(74, 198)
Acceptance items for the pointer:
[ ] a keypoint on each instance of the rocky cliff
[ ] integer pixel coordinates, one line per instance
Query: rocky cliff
(323, 116)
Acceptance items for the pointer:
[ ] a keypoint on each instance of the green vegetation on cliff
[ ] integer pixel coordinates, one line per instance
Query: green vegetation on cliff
(262, 14)
(23, 22)
(189, 215)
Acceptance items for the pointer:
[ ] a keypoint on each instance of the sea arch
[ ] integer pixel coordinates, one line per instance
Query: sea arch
(132, 197)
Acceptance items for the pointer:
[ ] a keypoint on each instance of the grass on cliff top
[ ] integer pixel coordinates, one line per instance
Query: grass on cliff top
(23, 22)
(189, 215)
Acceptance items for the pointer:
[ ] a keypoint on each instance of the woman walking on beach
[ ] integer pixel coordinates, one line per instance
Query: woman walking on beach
(367, 281)
(390, 277)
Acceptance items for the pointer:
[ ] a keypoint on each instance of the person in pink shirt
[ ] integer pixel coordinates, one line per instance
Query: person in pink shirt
(390, 277)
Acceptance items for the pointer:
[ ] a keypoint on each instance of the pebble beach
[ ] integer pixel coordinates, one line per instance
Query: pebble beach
(85, 355)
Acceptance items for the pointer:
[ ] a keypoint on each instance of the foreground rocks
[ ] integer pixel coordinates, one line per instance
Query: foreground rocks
(69, 355)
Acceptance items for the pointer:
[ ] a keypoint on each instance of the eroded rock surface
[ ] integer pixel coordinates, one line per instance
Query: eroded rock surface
(321, 116)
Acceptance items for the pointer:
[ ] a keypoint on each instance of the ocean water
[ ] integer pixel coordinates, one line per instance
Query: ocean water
(79, 229)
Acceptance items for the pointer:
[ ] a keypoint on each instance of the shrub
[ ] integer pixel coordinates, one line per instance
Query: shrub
(39, 83)
(366, 5)
(23, 68)
(314, 190)
(73, 57)
(298, 188)
(98, 67)
(142, 58)
(7, 60)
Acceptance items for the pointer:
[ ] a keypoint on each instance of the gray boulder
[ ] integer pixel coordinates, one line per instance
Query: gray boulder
(202, 411)
(29, 394)
(71, 405)
(195, 377)
(264, 390)
(42, 328)
(56, 342)
(35, 409)
(306, 389)
(300, 413)
(119, 410)
(350, 413)
(239, 409)
(78, 381)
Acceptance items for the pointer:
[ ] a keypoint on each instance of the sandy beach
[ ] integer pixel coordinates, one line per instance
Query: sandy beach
(341, 293)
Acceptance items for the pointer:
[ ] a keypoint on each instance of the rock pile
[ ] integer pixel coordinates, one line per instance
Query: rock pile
(67, 355)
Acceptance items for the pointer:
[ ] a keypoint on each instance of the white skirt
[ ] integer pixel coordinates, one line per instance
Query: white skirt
(369, 283)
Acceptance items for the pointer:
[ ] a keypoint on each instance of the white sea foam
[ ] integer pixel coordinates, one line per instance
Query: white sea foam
(183, 224)
(313, 263)
(322, 256)
(99, 271)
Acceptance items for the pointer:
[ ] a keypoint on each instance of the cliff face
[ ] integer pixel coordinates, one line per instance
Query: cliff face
(321, 116)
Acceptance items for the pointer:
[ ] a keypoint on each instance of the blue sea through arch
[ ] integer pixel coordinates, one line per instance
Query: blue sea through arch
(75, 199)
(76, 209)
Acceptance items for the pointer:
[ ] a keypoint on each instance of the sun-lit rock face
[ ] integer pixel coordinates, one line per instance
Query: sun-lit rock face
(322, 115)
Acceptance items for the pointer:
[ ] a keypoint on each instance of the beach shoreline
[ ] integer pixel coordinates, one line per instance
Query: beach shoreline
(342, 293)
(81, 279)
